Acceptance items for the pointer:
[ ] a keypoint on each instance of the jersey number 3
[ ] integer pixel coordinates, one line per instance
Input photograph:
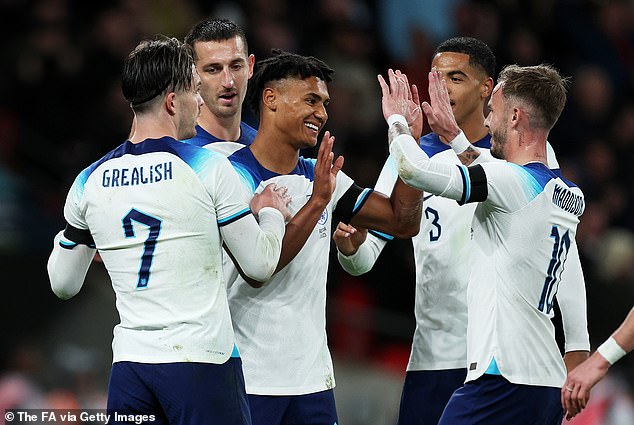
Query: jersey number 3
(434, 234)
(150, 243)
(555, 269)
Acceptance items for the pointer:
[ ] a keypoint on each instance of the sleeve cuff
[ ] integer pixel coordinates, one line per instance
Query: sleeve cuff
(460, 143)
(396, 118)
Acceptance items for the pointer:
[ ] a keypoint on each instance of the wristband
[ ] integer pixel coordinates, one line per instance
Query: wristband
(396, 118)
(611, 350)
(460, 143)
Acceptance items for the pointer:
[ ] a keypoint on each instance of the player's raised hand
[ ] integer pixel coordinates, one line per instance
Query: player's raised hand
(395, 95)
(272, 196)
(326, 170)
(348, 238)
(414, 114)
(438, 112)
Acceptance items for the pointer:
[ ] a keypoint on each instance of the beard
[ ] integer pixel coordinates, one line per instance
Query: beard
(498, 141)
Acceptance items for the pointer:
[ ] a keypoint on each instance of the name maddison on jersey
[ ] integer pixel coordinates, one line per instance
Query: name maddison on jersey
(568, 201)
(116, 177)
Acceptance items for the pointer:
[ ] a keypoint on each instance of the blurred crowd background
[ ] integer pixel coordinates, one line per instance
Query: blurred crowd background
(61, 108)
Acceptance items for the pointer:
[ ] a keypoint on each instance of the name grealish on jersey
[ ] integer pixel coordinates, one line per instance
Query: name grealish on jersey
(133, 176)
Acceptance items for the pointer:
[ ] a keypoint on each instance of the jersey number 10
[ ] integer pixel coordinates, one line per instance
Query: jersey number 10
(555, 269)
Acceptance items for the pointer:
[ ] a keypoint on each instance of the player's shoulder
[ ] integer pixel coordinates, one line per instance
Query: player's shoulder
(431, 144)
(203, 138)
(247, 134)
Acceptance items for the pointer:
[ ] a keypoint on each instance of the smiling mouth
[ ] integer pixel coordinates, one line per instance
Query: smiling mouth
(312, 126)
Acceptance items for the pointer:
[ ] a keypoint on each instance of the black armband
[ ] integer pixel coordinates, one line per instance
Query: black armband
(351, 202)
(79, 236)
(475, 185)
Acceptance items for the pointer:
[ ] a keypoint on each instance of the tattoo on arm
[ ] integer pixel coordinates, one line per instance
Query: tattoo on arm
(469, 155)
(396, 130)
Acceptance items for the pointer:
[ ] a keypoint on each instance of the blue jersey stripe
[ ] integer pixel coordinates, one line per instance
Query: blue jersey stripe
(234, 217)
(361, 199)
(466, 182)
(67, 245)
(380, 235)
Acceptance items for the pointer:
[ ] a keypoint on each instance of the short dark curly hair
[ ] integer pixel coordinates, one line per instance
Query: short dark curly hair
(283, 65)
(480, 55)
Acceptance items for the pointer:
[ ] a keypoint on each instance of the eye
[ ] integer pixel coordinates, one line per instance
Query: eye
(236, 67)
(311, 101)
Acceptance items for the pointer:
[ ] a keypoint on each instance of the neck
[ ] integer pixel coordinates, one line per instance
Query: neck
(224, 128)
(152, 126)
(473, 128)
(273, 152)
(528, 146)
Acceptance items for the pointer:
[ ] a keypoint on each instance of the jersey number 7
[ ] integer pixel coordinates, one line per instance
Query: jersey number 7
(150, 243)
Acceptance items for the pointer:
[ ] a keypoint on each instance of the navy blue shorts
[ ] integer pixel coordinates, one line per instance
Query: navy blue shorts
(425, 394)
(308, 409)
(178, 393)
(493, 400)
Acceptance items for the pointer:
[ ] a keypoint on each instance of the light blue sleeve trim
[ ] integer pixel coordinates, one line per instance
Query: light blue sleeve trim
(234, 217)
(235, 353)
(467, 182)
(361, 198)
(381, 235)
(67, 244)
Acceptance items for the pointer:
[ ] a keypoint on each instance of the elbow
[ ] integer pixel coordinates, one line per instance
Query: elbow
(63, 283)
(405, 170)
(408, 223)
(63, 290)
(407, 231)
(257, 277)
(254, 283)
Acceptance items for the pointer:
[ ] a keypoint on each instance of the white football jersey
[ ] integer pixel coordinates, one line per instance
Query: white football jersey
(523, 241)
(154, 211)
(281, 327)
(440, 308)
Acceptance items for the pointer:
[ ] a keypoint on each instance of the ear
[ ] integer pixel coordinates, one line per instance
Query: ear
(487, 88)
(170, 103)
(250, 63)
(269, 98)
(515, 117)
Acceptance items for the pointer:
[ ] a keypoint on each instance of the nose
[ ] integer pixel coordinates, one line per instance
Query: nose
(321, 113)
(487, 120)
(227, 78)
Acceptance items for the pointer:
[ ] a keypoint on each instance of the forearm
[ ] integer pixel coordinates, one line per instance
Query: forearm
(415, 168)
(407, 203)
(256, 249)
(364, 258)
(624, 335)
(67, 267)
(298, 230)
(571, 297)
(572, 359)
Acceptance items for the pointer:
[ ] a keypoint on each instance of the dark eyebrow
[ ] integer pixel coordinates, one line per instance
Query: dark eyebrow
(456, 73)
(231, 62)
(318, 97)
